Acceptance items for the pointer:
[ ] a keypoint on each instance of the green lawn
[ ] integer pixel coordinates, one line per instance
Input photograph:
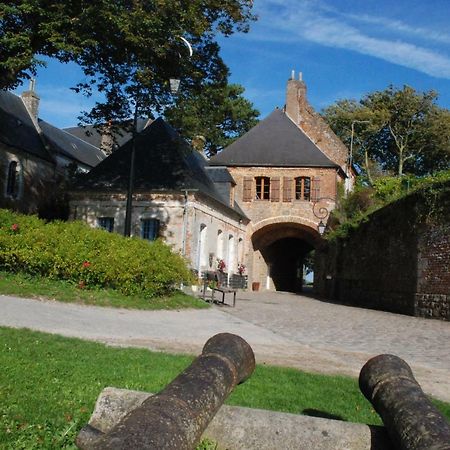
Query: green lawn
(22, 285)
(49, 384)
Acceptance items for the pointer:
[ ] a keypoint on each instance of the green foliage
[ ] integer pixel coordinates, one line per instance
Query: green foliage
(212, 116)
(127, 50)
(357, 205)
(88, 257)
(395, 131)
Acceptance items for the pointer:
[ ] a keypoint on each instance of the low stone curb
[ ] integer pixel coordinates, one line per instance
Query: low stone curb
(238, 428)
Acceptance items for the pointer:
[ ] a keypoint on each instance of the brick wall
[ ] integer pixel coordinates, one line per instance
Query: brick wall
(303, 114)
(398, 261)
(259, 210)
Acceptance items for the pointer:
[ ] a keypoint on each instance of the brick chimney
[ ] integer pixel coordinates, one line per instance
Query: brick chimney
(31, 100)
(296, 98)
(311, 123)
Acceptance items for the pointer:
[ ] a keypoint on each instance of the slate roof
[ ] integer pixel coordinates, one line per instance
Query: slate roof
(277, 142)
(163, 162)
(17, 129)
(219, 174)
(91, 134)
(70, 146)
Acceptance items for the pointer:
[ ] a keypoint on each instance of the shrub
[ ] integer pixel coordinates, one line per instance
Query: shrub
(88, 257)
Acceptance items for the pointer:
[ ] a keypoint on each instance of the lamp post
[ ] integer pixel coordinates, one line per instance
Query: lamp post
(350, 157)
(174, 84)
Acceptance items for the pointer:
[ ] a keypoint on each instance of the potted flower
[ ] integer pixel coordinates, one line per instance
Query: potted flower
(221, 265)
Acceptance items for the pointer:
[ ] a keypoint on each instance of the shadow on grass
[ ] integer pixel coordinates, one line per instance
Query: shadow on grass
(317, 413)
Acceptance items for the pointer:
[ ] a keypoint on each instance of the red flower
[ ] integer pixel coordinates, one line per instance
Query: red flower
(86, 264)
(15, 227)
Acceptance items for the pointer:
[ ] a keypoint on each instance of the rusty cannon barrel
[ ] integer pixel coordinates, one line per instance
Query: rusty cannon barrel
(411, 420)
(176, 417)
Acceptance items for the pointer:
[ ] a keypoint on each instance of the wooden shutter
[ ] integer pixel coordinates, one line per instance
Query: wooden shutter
(247, 195)
(315, 189)
(275, 189)
(287, 189)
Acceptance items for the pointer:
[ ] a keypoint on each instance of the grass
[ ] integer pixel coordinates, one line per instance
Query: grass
(22, 285)
(49, 384)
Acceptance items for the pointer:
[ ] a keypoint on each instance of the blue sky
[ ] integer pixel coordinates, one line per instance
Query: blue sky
(344, 48)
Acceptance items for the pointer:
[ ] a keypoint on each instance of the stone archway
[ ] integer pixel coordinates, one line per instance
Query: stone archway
(279, 249)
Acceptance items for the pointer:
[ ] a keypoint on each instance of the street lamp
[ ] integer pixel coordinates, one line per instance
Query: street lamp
(350, 157)
(174, 86)
(321, 228)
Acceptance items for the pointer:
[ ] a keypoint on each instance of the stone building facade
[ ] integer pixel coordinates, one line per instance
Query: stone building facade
(34, 155)
(174, 198)
(286, 170)
(258, 203)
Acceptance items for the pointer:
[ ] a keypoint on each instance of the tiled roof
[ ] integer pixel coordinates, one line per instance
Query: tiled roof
(277, 142)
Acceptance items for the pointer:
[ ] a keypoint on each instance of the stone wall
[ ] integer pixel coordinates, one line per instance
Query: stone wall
(35, 180)
(398, 261)
(200, 229)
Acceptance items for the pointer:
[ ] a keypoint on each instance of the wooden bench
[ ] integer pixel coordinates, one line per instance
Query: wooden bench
(218, 282)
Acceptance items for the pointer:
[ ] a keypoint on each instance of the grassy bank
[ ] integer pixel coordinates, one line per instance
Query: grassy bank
(49, 384)
(27, 286)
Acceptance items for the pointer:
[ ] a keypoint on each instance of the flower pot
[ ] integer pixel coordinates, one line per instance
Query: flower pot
(255, 286)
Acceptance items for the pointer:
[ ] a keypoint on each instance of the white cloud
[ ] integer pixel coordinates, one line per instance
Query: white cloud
(315, 22)
(401, 27)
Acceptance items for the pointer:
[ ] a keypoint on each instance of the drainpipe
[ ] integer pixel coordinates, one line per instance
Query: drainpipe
(185, 219)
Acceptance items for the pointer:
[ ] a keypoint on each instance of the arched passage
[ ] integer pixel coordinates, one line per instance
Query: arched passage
(280, 249)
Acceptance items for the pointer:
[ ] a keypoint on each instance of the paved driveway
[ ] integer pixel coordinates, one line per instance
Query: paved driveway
(284, 329)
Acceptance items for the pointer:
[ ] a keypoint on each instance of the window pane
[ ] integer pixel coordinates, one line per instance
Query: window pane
(266, 181)
(302, 188)
(12, 178)
(150, 229)
(107, 223)
(259, 187)
(298, 188)
(306, 188)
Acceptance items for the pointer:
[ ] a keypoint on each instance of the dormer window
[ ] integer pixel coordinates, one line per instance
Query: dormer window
(262, 188)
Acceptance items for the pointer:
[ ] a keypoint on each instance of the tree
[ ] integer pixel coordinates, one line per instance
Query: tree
(355, 125)
(396, 129)
(128, 49)
(212, 116)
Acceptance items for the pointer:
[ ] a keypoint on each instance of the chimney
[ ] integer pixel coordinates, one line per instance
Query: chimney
(31, 100)
(295, 98)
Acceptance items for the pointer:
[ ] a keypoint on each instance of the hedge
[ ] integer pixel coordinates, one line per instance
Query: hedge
(87, 257)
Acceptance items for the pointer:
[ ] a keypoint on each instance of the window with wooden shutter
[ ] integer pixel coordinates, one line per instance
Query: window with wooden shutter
(262, 188)
(315, 189)
(287, 189)
(303, 188)
(247, 195)
(275, 189)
